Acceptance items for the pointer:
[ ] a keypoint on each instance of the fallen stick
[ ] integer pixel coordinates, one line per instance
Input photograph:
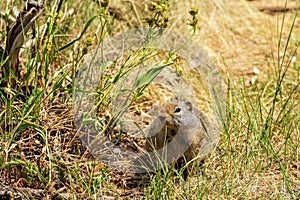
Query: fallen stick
(277, 9)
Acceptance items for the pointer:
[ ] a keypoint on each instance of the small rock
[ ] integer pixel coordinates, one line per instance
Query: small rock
(256, 71)
(117, 151)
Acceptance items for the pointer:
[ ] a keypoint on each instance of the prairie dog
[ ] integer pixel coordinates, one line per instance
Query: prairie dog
(182, 131)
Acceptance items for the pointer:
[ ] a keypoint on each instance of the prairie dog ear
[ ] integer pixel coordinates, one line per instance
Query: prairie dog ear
(189, 106)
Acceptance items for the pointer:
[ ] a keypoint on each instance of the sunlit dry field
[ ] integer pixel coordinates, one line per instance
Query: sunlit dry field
(255, 47)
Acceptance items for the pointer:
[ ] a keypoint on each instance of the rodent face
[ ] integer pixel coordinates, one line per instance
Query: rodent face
(172, 110)
(175, 109)
(170, 117)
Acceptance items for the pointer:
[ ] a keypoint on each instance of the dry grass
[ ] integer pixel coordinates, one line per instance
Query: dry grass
(42, 157)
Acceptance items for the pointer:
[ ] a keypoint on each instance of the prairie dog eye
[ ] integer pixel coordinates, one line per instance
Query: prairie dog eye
(177, 110)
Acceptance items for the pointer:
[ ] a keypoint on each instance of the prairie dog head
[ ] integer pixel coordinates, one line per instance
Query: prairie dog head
(175, 112)
(174, 115)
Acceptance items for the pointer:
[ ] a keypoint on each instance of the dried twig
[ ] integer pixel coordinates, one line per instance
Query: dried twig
(277, 9)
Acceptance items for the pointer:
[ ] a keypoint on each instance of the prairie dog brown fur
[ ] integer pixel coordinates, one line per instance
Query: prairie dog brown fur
(182, 130)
